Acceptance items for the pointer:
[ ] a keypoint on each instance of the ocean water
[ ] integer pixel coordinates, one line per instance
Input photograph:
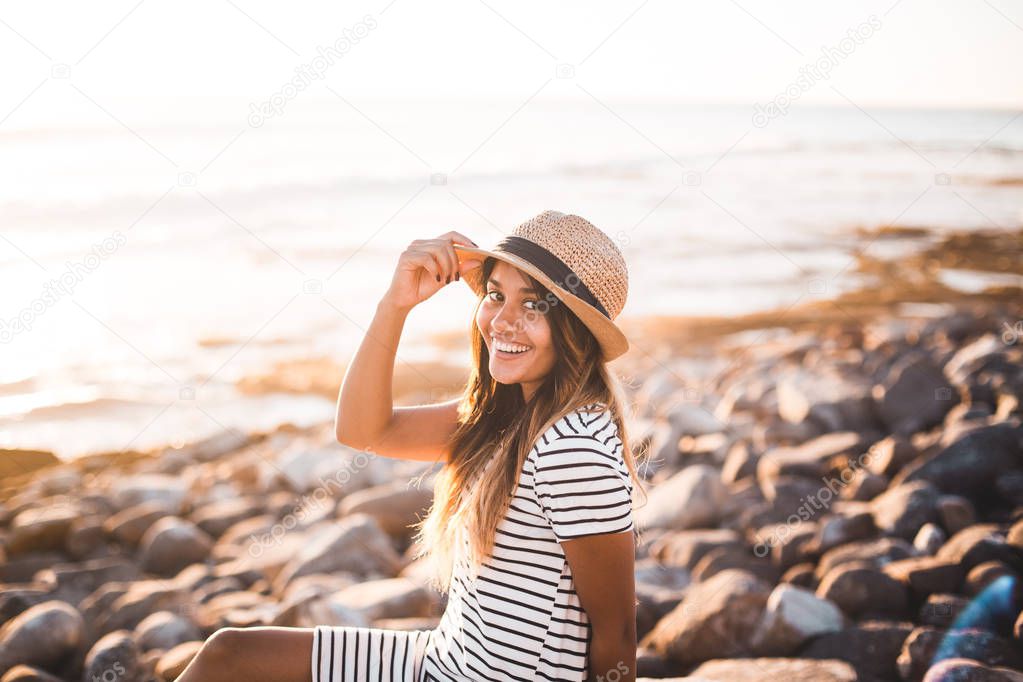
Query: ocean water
(154, 253)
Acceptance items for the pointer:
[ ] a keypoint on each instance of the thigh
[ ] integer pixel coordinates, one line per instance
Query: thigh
(268, 653)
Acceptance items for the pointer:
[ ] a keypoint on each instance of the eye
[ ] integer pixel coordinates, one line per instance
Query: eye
(531, 301)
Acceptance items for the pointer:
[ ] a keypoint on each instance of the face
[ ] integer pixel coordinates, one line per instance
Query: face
(509, 315)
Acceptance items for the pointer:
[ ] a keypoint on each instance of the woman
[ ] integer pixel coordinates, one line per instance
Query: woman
(530, 532)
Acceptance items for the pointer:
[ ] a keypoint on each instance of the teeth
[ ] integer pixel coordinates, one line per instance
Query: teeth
(508, 348)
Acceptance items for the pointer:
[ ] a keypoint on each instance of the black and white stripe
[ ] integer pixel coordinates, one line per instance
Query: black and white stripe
(519, 617)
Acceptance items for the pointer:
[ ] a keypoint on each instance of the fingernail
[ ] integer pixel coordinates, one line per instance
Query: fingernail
(438, 277)
(457, 275)
(448, 280)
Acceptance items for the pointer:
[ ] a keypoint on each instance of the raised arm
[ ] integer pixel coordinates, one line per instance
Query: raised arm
(366, 415)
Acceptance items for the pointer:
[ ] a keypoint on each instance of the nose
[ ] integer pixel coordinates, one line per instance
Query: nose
(502, 325)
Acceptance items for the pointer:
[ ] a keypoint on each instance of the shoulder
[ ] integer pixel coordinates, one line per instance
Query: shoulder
(588, 432)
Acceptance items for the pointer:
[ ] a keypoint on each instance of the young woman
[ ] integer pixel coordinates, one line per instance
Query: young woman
(530, 532)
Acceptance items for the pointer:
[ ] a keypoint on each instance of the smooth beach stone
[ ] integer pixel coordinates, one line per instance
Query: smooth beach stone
(172, 543)
(903, 509)
(942, 610)
(864, 486)
(878, 552)
(40, 529)
(122, 606)
(114, 656)
(930, 645)
(165, 630)
(915, 395)
(976, 545)
(871, 647)
(216, 517)
(859, 589)
(166, 491)
(42, 636)
(834, 530)
(739, 463)
(396, 506)
(389, 598)
(716, 619)
(890, 454)
(73, 582)
(792, 616)
(693, 498)
(926, 575)
(129, 525)
(26, 673)
(773, 669)
(833, 399)
(686, 547)
(355, 543)
(971, 465)
(982, 575)
(306, 466)
(813, 459)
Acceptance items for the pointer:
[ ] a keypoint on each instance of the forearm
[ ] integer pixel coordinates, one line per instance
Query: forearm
(612, 658)
(365, 403)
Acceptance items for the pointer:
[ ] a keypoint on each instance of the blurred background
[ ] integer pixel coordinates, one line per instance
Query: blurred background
(224, 190)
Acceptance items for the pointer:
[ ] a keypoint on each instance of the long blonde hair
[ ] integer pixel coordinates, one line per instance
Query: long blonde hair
(496, 426)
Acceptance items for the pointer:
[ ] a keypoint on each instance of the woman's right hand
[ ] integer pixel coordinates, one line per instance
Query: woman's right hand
(426, 266)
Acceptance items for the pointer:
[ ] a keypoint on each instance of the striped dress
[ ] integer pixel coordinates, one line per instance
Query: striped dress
(518, 617)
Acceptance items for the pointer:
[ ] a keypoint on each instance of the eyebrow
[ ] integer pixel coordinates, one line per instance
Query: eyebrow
(525, 290)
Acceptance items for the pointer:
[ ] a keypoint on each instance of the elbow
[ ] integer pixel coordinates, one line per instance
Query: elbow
(617, 635)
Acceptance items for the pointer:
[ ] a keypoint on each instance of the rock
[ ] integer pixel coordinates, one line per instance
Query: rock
(792, 616)
(174, 662)
(41, 529)
(15, 462)
(172, 543)
(305, 468)
(114, 656)
(693, 498)
(932, 645)
(771, 670)
(971, 465)
(982, 575)
(813, 459)
(396, 507)
(685, 548)
(834, 401)
(954, 513)
(914, 396)
(878, 552)
(942, 610)
(73, 582)
(716, 619)
(122, 606)
(926, 575)
(903, 509)
(215, 518)
(389, 598)
(978, 544)
(129, 525)
(86, 539)
(739, 463)
(355, 543)
(888, 455)
(966, 670)
(41, 636)
(26, 673)
(859, 589)
(835, 530)
(871, 648)
(160, 489)
(929, 539)
(165, 630)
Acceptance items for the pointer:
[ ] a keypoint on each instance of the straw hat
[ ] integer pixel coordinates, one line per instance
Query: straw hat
(580, 265)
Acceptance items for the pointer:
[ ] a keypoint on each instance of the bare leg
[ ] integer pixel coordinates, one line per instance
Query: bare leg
(256, 654)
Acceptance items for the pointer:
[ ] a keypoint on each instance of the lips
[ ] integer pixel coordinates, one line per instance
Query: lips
(510, 356)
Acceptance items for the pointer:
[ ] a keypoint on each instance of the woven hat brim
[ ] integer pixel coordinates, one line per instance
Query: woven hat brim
(612, 340)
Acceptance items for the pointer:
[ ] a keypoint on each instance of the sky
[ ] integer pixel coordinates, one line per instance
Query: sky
(910, 53)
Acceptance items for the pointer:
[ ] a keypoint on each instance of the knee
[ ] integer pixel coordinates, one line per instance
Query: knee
(224, 644)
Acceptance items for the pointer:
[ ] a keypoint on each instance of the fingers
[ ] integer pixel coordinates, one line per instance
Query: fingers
(426, 259)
